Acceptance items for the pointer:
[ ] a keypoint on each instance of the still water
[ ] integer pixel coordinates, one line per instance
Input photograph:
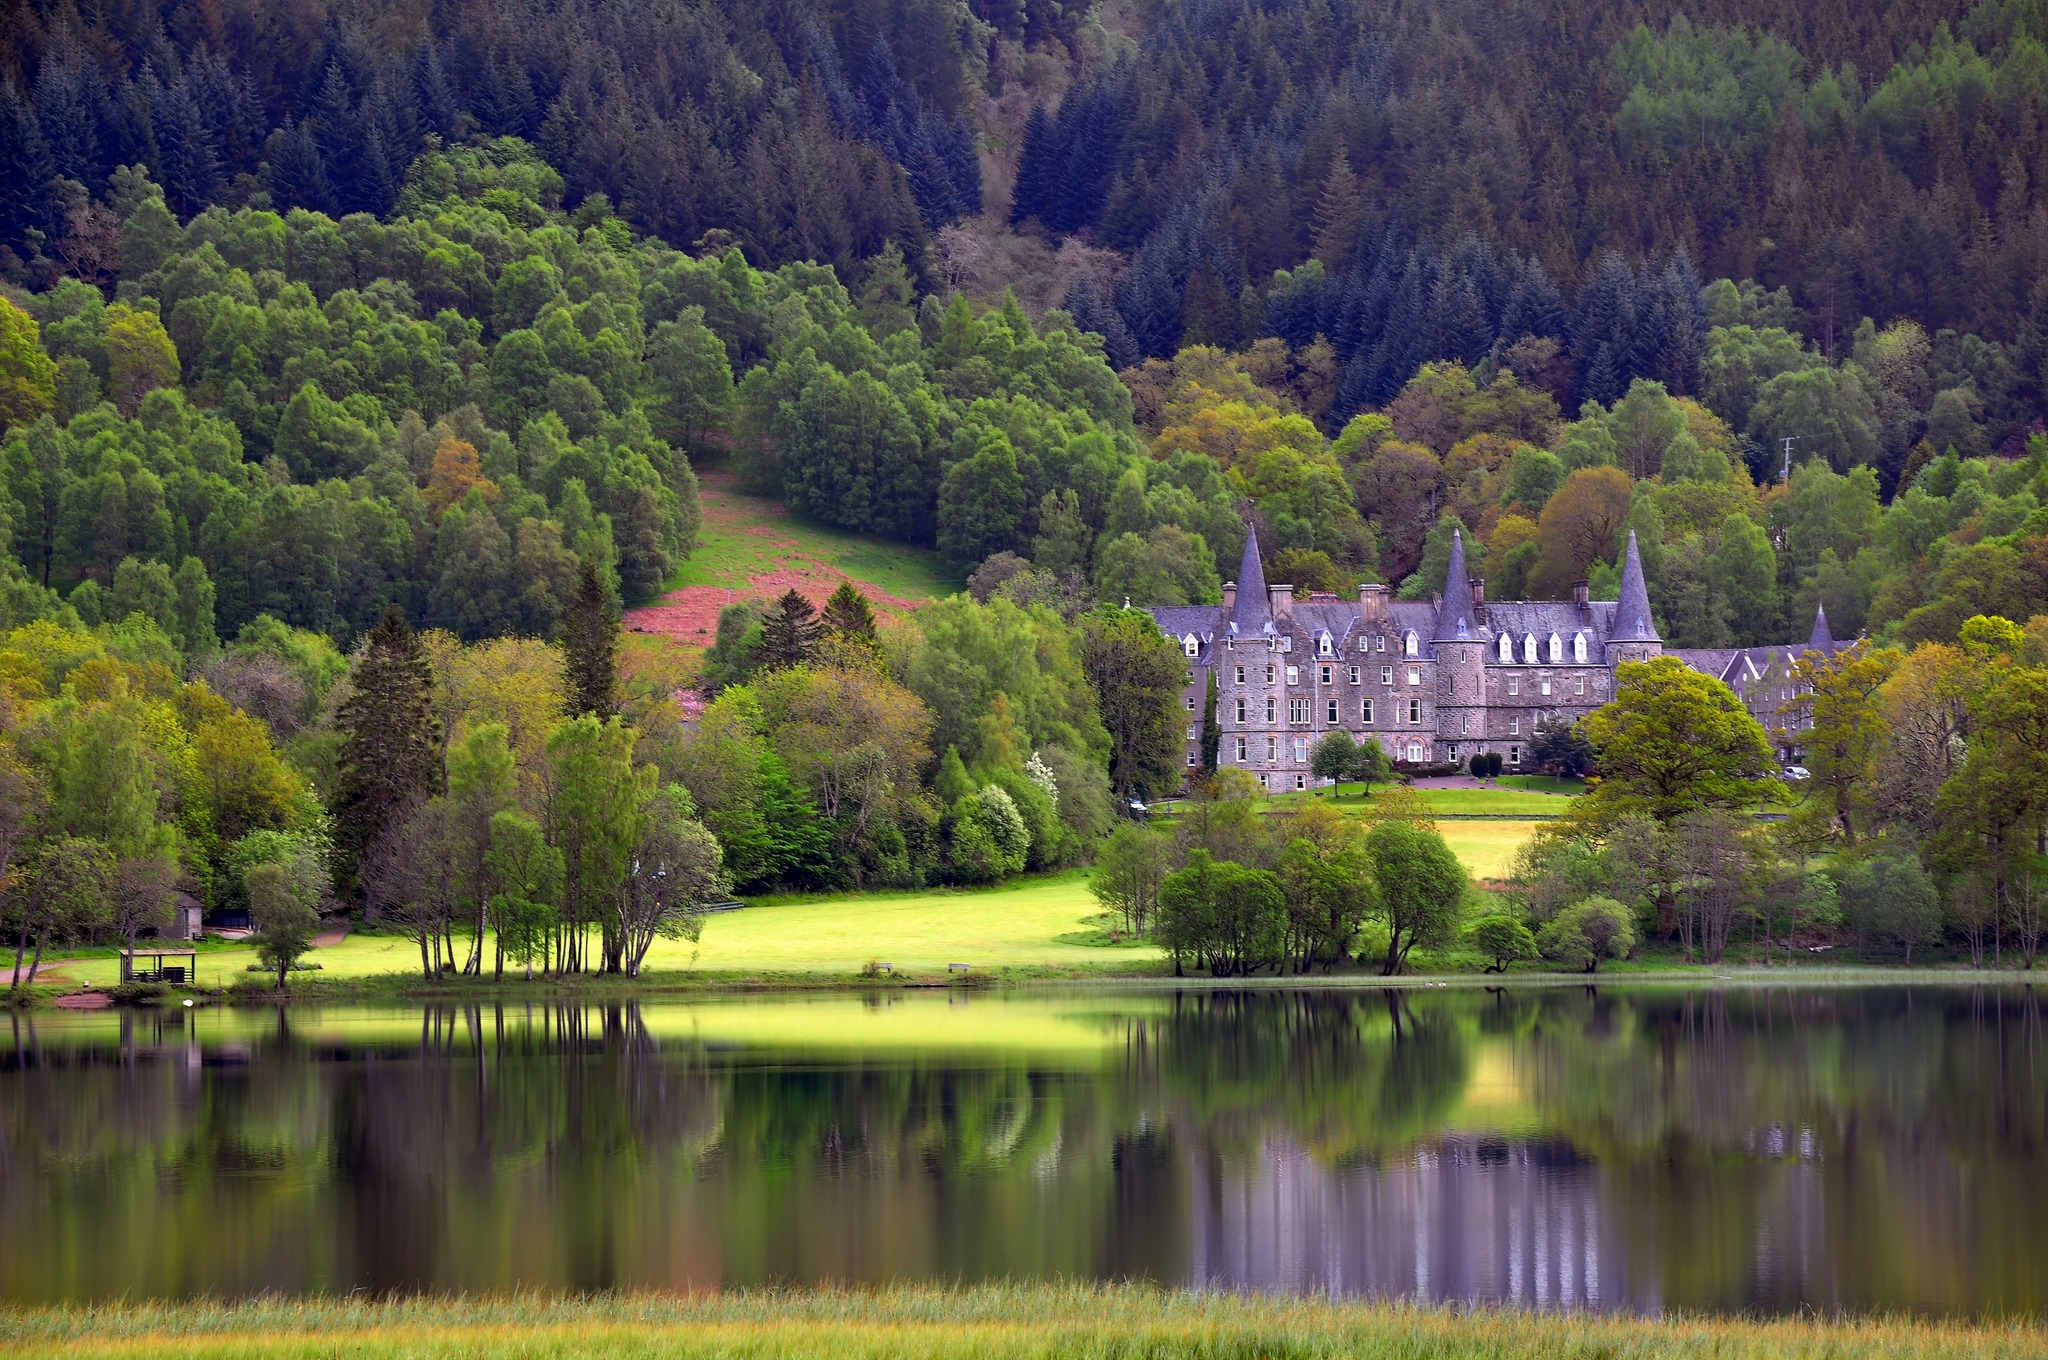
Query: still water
(1760, 1149)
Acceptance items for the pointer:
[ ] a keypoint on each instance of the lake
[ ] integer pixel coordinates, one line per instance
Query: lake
(1752, 1148)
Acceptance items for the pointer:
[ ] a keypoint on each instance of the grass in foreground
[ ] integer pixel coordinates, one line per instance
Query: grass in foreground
(994, 1320)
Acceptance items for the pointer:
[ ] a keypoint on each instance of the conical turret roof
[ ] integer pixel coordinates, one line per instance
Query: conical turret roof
(1253, 610)
(1454, 615)
(1632, 621)
(1822, 640)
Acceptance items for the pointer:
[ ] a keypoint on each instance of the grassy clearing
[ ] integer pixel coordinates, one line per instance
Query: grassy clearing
(745, 537)
(996, 1320)
(1487, 847)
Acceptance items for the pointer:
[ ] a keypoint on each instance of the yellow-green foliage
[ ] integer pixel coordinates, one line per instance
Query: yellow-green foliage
(989, 1321)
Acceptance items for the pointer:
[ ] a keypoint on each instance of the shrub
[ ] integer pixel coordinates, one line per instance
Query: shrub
(1588, 931)
(1503, 939)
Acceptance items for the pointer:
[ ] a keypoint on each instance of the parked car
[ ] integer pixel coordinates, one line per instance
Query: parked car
(1795, 773)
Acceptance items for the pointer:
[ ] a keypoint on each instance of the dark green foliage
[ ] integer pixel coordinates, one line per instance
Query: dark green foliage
(1227, 915)
(391, 743)
(1137, 674)
(590, 647)
(789, 631)
(735, 649)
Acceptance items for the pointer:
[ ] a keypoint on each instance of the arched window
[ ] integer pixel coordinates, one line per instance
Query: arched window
(1579, 647)
(1507, 649)
(1556, 648)
(1529, 648)
(1411, 645)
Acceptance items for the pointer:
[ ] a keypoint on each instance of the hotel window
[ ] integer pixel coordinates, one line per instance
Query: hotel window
(1514, 755)
(1365, 711)
(1415, 710)
(1272, 708)
(1192, 759)
(1300, 749)
(1332, 719)
(1297, 711)
(1579, 647)
(1300, 782)
(1507, 649)
(1451, 686)
(1194, 731)
(1380, 644)
(1546, 684)
(1353, 674)
(1269, 672)
(1240, 712)
(1272, 748)
(1514, 727)
(1326, 673)
(1451, 753)
(1412, 644)
(1242, 746)
(1529, 648)
(1514, 684)
(1191, 703)
(1556, 648)
(1414, 675)
(1190, 646)
(1294, 675)
(1386, 675)
(1287, 644)
(1415, 752)
(1578, 684)
(1323, 645)
(1464, 724)
(1239, 678)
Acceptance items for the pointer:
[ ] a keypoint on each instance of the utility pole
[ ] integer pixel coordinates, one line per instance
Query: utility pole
(1788, 455)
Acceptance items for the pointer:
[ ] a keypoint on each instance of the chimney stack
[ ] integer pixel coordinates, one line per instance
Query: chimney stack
(1282, 598)
(1479, 599)
(1372, 599)
(1230, 594)
(1582, 595)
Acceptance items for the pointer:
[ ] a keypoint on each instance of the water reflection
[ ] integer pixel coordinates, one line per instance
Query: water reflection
(1767, 1149)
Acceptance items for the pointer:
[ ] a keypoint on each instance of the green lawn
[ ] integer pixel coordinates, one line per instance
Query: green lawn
(1524, 804)
(1042, 923)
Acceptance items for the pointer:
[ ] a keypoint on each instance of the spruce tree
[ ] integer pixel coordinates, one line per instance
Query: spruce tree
(848, 613)
(591, 641)
(789, 631)
(391, 740)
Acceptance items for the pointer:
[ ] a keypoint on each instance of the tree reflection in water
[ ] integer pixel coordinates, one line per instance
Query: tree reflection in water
(1750, 1148)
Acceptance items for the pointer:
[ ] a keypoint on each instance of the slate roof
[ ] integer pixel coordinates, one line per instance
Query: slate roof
(1633, 620)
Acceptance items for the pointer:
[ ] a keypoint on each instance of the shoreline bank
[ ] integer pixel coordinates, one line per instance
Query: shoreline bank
(1021, 1320)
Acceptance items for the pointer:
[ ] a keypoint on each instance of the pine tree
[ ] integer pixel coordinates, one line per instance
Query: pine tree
(789, 631)
(391, 740)
(848, 613)
(1037, 168)
(590, 641)
(1340, 214)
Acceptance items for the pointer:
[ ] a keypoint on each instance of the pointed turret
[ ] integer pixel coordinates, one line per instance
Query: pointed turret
(1632, 621)
(1253, 610)
(1822, 640)
(1454, 615)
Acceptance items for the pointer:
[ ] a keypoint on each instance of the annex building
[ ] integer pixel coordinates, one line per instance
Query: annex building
(1433, 682)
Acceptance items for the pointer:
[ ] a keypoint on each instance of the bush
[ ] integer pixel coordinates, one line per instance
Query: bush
(1588, 931)
(1503, 939)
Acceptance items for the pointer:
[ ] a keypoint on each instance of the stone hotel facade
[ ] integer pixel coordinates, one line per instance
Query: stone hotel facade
(1436, 682)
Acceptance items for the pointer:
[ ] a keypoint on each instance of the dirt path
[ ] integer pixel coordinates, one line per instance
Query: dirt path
(327, 939)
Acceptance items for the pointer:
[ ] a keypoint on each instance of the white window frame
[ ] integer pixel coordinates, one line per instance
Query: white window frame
(1294, 675)
(1578, 684)
(1415, 753)
(1545, 683)
(1556, 648)
(1415, 675)
(1190, 646)
(1240, 710)
(1514, 727)
(1579, 648)
(1514, 684)
(1323, 674)
(1514, 755)
(1300, 750)
(1272, 709)
(1244, 750)
(1323, 647)
(1332, 717)
(1411, 645)
(1386, 675)
(1415, 710)
(1297, 712)
(1365, 712)
(1507, 650)
(1353, 676)
(1240, 676)
(1529, 648)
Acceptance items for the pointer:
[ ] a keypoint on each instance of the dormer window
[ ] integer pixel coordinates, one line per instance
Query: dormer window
(1323, 645)
(1507, 650)
(1556, 648)
(1411, 645)
(1579, 647)
(1529, 648)
(1189, 645)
